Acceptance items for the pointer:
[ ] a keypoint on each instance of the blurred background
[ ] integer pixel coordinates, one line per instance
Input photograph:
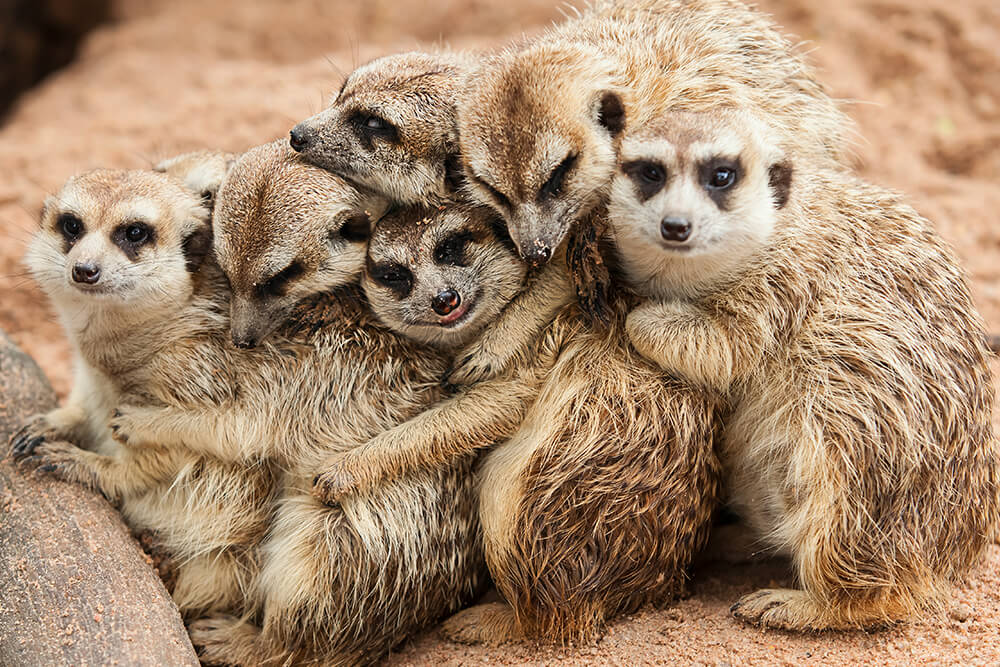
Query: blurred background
(124, 83)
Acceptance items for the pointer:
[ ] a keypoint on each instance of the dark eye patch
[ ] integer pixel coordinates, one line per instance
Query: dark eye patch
(392, 275)
(370, 126)
(719, 176)
(132, 237)
(553, 186)
(277, 285)
(451, 250)
(70, 226)
(648, 176)
(500, 197)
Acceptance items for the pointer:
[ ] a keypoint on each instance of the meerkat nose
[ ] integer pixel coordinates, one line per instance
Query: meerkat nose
(299, 138)
(88, 273)
(675, 229)
(538, 255)
(445, 302)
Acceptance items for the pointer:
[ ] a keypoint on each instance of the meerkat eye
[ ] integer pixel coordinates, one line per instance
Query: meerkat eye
(277, 284)
(395, 276)
(372, 126)
(131, 236)
(721, 176)
(452, 249)
(553, 186)
(136, 233)
(69, 226)
(500, 197)
(649, 177)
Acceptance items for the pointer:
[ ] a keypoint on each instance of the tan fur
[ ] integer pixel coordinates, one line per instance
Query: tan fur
(336, 585)
(414, 159)
(207, 515)
(570, 91)
(846, 343)
(202, 172)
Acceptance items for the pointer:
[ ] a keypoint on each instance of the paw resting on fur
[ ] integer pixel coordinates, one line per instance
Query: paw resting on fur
(341, 478)
(122, 425)
(476, 366)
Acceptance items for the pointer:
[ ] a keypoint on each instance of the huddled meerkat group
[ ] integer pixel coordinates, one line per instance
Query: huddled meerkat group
(530, 316)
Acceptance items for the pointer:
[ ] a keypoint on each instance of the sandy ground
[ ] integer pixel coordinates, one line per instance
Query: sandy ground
(921, 78)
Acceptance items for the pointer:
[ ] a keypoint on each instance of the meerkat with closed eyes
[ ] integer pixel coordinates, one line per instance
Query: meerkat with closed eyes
(836, 325)
(603, 479)
(122, 255)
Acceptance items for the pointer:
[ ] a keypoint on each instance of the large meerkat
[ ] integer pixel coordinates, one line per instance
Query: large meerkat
(604, 488)
(540, 122)
(836, 325)
(343, 584)
(122, 255)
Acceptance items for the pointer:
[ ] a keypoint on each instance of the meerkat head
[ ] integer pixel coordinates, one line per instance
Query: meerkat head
(120, 239)
(391, 127)
(286, 230)
(538, 131)
(694, 196)
(440, 276)
(201, 172)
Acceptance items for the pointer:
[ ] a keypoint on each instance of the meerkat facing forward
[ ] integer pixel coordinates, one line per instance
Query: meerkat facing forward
(836, 324)
(337, 585)
(604, 488)
(122, 255)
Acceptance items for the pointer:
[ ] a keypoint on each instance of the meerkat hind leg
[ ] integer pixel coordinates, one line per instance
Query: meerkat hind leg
(224, 640)
(491, 623)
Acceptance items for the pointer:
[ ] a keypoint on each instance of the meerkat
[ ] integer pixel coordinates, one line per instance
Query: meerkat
(604, 484)
(336, 584)
(836, 325)
(122, 256)
(540, 122)
(200, 171)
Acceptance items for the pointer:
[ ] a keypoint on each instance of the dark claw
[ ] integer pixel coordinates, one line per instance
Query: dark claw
(26, 445)
(735, 608)
(48, 467)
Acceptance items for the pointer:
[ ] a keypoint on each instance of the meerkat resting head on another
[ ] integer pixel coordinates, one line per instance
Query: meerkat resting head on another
(286, 230)
(441, 276)
(391, 127)
(693, 198)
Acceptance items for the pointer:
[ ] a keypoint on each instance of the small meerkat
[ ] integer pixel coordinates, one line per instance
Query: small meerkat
(604, 488)
(122, 256)
(336, 585)
(540, 122)
(391, 127)
(837, 326)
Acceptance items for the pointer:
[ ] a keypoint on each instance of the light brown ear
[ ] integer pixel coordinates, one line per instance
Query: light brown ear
(201, 172)
(589, 268)
(197, 245)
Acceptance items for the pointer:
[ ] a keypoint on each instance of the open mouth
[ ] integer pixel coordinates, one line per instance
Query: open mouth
(454, 317)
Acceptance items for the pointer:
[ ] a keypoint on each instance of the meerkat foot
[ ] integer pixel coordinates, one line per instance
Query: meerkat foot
(796, 610)
(25, 440)
(221, 639)
(491, 624)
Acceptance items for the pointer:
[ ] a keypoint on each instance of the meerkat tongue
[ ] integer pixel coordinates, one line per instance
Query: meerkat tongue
(454, 315)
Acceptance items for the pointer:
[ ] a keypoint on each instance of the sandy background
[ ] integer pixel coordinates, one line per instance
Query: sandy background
(922, 78)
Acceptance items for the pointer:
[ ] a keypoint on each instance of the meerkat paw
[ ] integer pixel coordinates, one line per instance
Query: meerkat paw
(491, 624)
(478, 364)
(26, 439)
(127, 423)
(345, 474)
(220, 639)
(62, 460)
(786, 609)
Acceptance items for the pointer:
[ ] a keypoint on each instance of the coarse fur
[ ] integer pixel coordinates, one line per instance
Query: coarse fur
(604, 488)
(844, 340)
(337, 585)
(391, 127)
(149, 295)
(540, 122)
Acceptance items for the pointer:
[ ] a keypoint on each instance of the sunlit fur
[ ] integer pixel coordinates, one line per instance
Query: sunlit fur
(846, 343)
(306, 209)
(202, 172)
(207, 515)
(336, 585)
(415, 92)
(526, 108)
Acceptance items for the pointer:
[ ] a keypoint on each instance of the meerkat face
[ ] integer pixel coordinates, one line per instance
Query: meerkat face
(699, 189)
(440, 276)
(284, 231)
(538, 132)
(202, 172)
(119, 239)
(391, 127)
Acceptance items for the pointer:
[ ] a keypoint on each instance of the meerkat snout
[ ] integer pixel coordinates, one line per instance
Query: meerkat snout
(676, 230)
(299, 137)
(445, 302)
(87, 273)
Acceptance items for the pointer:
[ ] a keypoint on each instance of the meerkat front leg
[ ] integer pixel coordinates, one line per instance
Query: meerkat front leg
(514, 333)
(479, 417)
(220, 432)
(64, 423)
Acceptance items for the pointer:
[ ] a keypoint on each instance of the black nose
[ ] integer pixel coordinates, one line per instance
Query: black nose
(675, 229)
(538, 255)
(86, 273)
(244, 342)
(299, 138)
(445, 302)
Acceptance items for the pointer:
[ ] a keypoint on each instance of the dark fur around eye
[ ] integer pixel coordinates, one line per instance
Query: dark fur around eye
(393, 276)
(370, 126)
(452, 249)
(718, 176)
(277, 285)
(133, 236)
(71, 227)
(500, 197)
(553, 186)
(648, 176)
(357, 228)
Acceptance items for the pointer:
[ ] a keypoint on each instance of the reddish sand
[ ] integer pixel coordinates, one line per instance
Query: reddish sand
(923, 81)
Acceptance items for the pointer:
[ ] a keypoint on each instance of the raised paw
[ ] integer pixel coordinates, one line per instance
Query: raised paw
(492, 623)
(122, 425)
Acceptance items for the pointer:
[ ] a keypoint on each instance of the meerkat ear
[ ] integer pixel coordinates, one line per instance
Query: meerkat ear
(197, 245)
(454, 174)
(611, 112)
(780, 181)
(357, 227)
(200, 172)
